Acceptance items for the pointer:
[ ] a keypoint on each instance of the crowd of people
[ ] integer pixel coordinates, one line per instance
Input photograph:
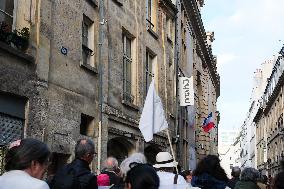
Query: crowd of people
(27, 160)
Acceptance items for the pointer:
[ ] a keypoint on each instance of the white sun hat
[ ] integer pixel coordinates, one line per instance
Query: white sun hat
(164, 159)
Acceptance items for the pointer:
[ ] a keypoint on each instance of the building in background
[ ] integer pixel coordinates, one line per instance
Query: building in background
(269, 121)
(248, 137)
(50, 80)
(226, 139)
(230, 155)
(195, 59)
(206, 78)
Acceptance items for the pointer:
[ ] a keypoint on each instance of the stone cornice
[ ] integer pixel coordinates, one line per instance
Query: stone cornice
(274, 94)
(258, 115)
(120, 116)
(199, 31)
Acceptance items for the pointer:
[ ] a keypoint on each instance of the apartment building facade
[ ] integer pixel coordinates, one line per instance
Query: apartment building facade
(269, 122)
(83, 53)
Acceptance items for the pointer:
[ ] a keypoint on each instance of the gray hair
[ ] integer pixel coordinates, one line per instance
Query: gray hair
(84, 147)
(134, 158)
(249, 174)
(236, 171)
(111, 164)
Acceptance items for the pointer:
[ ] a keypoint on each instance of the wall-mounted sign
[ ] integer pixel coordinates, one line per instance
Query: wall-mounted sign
(64, 50)
(186, 91)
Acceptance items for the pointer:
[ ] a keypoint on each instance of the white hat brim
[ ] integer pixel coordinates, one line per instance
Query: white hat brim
(171, 164)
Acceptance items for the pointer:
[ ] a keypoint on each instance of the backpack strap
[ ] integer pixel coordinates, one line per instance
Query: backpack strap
(175, 178)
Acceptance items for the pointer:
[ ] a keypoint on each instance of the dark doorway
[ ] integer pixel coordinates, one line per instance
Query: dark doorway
(119, 148)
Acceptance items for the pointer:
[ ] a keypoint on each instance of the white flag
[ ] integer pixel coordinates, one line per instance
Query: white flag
(153, 118)
(186, 91)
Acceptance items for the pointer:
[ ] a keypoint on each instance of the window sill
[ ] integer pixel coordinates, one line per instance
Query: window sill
(131, 105)
(153, 33)
(119, 2)
(89, 68)
(17, 53)
(93, 3)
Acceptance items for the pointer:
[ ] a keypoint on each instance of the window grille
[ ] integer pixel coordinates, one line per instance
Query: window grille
(127, 69)
(6, 12)
(149, 70)
(11, 129)
(86, 51)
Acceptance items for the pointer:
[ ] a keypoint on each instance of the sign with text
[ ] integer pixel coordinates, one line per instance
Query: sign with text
(186, 91)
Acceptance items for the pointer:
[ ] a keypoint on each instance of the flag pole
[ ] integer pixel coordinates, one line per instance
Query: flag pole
(172, 150)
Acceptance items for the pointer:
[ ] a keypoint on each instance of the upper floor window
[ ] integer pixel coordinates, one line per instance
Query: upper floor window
(87, 41)
(127, 68)
(170, 28)
(6, 12)
(149, 70)
(151, 14)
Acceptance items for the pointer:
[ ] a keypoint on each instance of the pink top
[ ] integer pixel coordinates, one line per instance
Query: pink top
(103, 180)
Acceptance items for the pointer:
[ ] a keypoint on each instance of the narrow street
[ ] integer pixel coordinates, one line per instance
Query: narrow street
(180, 82)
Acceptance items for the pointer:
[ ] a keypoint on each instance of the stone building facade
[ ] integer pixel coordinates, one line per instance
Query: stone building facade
(206, 79)
(269, 122)
(51, 91)
(248, 137)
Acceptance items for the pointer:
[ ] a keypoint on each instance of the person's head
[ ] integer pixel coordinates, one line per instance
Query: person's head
(85, 150)
(250, 174)
(29, 155)
(111, 164)
(236, 171)
(142, 176)
(134, 158)
(187, 175)
(165, 162)
(211, 165)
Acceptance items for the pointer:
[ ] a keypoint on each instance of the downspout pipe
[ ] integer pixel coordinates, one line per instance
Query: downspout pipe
(177, 54)
(102, 23)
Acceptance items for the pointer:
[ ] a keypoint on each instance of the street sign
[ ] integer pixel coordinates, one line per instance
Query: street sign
(186, 91)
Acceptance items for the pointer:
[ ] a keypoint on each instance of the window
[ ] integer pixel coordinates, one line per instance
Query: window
(127, 69)
(87, 126)
(151, 7)
(149, 70)
(6, 12)
(12, 122)
(87, 41)
(170, 28)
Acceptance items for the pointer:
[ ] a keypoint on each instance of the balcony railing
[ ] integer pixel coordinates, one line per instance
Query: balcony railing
(150, 25)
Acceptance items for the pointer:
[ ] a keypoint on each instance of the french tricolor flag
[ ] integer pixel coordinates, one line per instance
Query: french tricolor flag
(208, 123)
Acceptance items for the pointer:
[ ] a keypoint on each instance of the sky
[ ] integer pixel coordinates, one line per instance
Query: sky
(247, 32)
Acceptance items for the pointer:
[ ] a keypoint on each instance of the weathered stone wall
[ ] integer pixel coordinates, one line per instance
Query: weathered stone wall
(59, 89)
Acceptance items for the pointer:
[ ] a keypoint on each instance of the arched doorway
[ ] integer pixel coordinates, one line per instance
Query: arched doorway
(150, 152)
(119, 148)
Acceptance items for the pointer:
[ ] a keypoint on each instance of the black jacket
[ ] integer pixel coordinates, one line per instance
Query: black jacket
(206, 181)
(114, 179)
(82, 171)
(232, 182)
(246, 185)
